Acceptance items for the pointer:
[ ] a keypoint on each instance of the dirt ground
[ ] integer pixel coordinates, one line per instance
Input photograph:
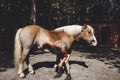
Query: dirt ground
(82, 68)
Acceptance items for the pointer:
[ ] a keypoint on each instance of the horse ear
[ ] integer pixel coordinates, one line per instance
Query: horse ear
(84, 26)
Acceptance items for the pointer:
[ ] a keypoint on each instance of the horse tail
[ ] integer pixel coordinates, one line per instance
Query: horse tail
(17, 48)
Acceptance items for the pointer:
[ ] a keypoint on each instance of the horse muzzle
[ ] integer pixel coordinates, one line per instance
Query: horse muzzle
(93, 42)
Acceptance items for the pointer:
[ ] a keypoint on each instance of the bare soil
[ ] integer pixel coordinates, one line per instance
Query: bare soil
(84, 66)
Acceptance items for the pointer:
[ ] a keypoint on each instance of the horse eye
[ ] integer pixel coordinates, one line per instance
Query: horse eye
(89, 32)
(82, 30)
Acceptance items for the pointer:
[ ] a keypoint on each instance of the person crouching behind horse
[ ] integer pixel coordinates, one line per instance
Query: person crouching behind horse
(62, 58)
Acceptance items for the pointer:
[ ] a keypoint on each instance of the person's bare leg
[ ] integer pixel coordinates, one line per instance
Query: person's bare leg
(59, 73)
(68, 68)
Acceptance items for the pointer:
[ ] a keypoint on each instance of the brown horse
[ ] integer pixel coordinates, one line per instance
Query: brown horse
(30, 35)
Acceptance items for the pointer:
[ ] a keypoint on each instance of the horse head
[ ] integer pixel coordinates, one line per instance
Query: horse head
(87, 34)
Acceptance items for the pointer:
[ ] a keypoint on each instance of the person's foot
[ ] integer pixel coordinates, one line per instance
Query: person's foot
(57, 75)
(68, 77)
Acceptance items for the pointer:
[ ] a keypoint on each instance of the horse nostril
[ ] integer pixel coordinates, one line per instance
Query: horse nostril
(93, 40)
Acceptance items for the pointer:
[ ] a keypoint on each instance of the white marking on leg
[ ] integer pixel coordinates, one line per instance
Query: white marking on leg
(55, 65)
(20, 73)
(30, 69)
(20, 68)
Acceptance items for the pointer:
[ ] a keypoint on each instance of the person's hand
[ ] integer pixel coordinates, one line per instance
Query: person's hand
(60, 64)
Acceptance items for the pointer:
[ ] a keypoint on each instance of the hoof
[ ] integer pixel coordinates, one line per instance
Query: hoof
(32, 72)
(55, 66)
(22, 75)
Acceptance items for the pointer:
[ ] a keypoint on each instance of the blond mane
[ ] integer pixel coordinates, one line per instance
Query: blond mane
(70, 29)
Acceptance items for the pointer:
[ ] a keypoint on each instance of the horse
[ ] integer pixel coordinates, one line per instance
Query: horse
(31, 35)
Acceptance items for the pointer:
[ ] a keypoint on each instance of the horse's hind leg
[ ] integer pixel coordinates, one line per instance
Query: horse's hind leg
(21, 62)
(30, 68)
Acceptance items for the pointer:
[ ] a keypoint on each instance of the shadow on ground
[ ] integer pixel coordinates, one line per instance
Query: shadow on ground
(102, 53)
(50, 64)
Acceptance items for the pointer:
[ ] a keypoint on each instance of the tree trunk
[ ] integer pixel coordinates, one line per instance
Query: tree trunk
(33, 12)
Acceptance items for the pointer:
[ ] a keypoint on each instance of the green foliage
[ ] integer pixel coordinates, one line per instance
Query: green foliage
(60, 12)
(3, 5)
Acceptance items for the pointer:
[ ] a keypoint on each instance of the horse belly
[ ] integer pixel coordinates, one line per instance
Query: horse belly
(42, 40)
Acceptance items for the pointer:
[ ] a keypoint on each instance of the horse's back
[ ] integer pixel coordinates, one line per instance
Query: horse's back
(31, 28)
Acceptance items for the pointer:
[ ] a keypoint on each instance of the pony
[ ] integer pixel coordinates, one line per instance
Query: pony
(31, 35)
